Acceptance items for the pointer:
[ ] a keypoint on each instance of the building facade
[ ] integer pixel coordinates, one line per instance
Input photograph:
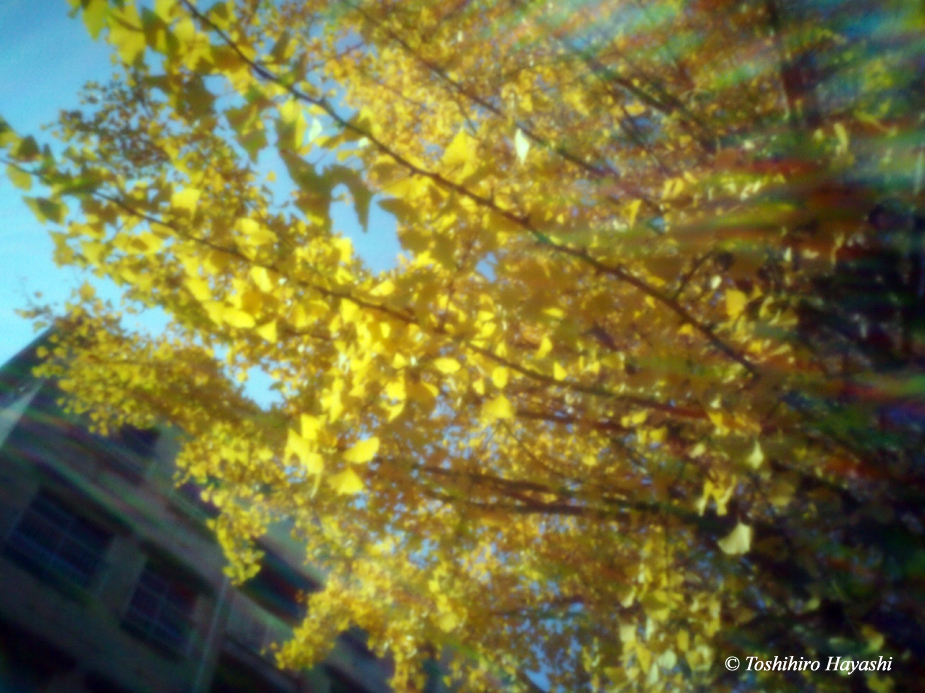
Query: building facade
(111, 581)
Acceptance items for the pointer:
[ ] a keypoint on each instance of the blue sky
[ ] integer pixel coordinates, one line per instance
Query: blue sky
(45, 58)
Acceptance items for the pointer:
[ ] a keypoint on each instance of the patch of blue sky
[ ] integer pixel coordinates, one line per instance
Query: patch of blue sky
(45, 59)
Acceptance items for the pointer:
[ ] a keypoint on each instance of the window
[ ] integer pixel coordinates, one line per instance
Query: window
(161, 609)
(141, 441)
(54, 541)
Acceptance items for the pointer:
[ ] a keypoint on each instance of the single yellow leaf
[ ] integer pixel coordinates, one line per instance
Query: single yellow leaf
(199, 288)
(738, 541)
(497, 408)
(346, 483)
(462, 151)
(186, 200)
(261, 277)
(842, 136)
(310, 426)
(363, 451)
(667, 659)
(236, 317)
(735, 303)
(558, 372)
(125, 33)
(756, 458)
(627, 633)
(447, 622)
(18, 177)
(302, 449)
(499, 376)
(635, 419)
(268, 331)
(521, 145)
(86, 292)
(94, 16)
(386, 288)
(446, 365)
(632, 211)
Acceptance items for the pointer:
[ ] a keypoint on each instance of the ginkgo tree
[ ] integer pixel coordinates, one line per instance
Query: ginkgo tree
(618, 413)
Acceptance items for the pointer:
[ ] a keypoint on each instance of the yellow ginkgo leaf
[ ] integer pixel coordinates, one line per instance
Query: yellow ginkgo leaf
(738, 541)
(499, 376)
(268, 331)
(261, 277)
(632, 211)
(558, 372)
(447, 622)
(310, 426)
(186, 199)
(346, 483)
(521, 145)
(462, 151)
(756, 458)
(86, 292)
(735, 303)
(363, 451)
(301, 448)
(497, 408)
(125, 33)
(446, 365)
(236, 317)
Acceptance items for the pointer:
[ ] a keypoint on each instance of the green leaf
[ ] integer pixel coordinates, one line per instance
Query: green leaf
(83, 185)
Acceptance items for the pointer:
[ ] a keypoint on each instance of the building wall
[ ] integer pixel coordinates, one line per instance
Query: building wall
(57, 635)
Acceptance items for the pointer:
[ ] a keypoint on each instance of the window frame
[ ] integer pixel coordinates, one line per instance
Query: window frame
(150, 628)
(70, 536)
